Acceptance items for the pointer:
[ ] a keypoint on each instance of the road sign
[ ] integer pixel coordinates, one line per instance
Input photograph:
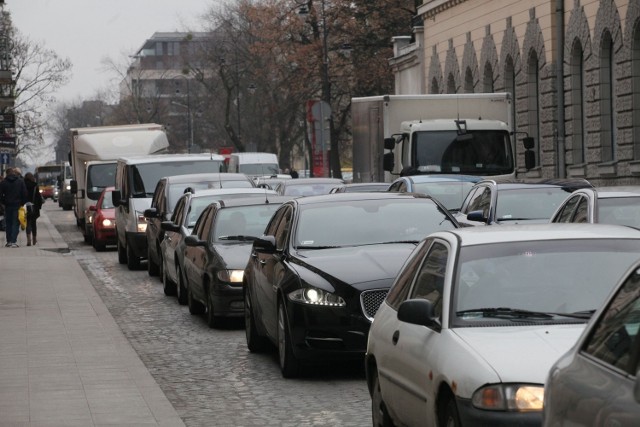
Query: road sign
(5, 158)
(8, 120)
(8, 142)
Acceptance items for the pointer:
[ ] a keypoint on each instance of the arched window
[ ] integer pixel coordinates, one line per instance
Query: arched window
(468, 81)
(607, 100)
(434, 86)
(451, 84)
(533, 91)
(578, 109)
(487, 80)
(635, 75)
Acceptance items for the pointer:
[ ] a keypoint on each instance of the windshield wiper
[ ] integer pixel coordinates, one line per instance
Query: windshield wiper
(238, 237)
(585, 314)
(415, 242)
(506, 312)
(317, 247)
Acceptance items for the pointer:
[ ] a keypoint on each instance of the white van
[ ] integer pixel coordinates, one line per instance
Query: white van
(254, 164)
(136, 180)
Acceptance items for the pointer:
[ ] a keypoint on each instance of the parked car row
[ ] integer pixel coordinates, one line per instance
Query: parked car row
(466, 300)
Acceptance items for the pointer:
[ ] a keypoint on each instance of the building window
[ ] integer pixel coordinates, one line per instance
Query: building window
(468, 81)
(510, 87)
(607, 99)
(533, 91)
(451, 84)
(159, 49)
(487, 81)
(578, 104)
(635, 75)
(434, 86)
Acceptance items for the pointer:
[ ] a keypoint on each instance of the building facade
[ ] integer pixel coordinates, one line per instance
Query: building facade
(572, 68)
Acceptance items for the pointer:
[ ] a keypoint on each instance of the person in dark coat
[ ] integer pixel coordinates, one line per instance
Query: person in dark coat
(34, 204)
(13, 194)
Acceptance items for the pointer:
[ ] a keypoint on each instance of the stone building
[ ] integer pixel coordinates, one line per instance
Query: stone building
(586, 123)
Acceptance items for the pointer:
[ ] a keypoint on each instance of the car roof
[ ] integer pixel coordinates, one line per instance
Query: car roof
(567, 184)
(158, 158)
(249, 201)
(301, 181)
(441, 178)
(469, 236)
(223, 191)
(617, 191)
(356, 196)
(205, 177)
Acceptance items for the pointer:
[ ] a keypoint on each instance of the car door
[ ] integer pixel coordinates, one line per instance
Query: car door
(478, 200)
(195, 257)
(416, 345)
(172, 239)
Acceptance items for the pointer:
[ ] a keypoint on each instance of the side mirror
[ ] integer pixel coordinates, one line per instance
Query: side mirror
(389, 143)
(74, 186)
(169, 226)
(529, 159)
(151, 213)
(388, 161)
(477, 216)
(529, 142)
(418, 312)
(92, 208)
(116, 196)
(192, 240)
(266, 244)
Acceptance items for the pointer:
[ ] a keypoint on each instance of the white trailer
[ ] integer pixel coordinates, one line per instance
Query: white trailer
(94, 154)
(469, 134)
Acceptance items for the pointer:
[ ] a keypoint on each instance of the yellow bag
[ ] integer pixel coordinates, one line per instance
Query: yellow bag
(22, 216)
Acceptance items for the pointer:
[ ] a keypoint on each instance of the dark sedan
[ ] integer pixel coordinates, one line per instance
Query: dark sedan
(217, 252)
(316, 278)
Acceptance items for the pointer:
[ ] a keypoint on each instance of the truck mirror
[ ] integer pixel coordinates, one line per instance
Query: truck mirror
(388, 162)
(117, 198)
(74, 186)
(389, 143)
(529, 159)
(528, 142)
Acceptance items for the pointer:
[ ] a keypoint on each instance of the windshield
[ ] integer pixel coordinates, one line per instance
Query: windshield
(292, 189)
(367, 222)
(555, 276)
(146, 175)
(177, 190)
(242, 223)
(450, 194)
(529, 203)
(259, 169)
(107, 200)
(48, 175)
(619, 210)
(99, 177)
(485, 152)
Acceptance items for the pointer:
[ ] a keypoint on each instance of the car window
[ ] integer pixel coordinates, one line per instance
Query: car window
(157, 194)
(395, 187)
(178, 213)
(582, 211)
(203, 223)
(284, 226)
(566, 212)
(400, 289)
(429, 283)
(107, 200)
(619, 210)
(481, 201)
(614, 337)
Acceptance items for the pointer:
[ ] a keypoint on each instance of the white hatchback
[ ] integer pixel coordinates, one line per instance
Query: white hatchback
(477, 316)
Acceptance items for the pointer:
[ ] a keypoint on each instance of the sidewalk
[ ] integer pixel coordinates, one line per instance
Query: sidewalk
(63, 359)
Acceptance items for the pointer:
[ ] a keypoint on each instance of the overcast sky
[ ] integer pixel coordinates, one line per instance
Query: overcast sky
(86, 31)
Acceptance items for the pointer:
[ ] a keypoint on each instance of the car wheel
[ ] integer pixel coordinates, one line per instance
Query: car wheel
(98, 245)
(449, 416)
(133, 262)
(212, 320)
(289, 364)
(87, 237)
(180, 289)
(255, 342)
(379, 414)
(168, 285)
(152, 267)
(195, 307)
(122, 254)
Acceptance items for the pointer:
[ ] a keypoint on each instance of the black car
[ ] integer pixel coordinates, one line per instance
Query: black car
(168, 191)
(217, 252)
(315, 280)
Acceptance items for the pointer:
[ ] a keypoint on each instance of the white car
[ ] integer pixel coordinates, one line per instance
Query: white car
(477, 316)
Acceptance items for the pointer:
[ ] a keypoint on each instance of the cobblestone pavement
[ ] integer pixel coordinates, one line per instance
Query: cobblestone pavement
(208, 375)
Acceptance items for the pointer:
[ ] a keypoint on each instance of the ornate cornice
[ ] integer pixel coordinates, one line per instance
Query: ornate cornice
(429, 9)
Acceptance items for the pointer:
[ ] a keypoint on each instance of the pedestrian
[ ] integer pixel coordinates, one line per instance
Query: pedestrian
(13, 194)
(34, 205)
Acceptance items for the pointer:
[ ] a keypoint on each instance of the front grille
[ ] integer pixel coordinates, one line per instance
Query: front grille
(371, 300)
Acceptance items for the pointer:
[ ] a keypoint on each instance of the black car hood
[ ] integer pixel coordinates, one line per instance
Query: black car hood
(234, 255)
(359, 266)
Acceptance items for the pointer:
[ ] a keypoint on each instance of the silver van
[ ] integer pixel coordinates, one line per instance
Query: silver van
(136, 180)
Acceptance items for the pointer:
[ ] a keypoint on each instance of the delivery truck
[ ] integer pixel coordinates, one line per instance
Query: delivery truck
(93, 157)
(470, 134)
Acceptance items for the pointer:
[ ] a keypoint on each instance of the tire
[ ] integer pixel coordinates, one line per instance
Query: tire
(379, 415)
(195, 307)
(88, 238)
(289, 363)
(67, 207)
(133, 262)
(449, 416)
(122, 253)
(152, 267)
(181, 290)
(98, 245)
(256, 343)
(168, 285)
(212, 320)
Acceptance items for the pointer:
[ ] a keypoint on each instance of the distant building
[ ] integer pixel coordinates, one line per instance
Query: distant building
(587, 122)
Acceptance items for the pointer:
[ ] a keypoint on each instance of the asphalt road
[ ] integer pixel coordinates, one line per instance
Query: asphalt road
(208, 374)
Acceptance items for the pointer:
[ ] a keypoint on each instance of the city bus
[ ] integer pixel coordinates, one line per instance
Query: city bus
(52, 180)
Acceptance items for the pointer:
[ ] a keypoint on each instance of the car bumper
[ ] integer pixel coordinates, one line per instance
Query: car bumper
(107, 235)
(472, 416)
(321, 333)
(138, 244)
(228, 301)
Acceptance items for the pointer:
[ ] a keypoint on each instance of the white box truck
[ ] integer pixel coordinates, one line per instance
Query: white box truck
(94, 154)
(469, 134)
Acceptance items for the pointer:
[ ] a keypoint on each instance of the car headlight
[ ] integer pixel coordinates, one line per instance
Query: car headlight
(142, 223)
(509, 397)
(315, 296)
(68, 187)
(107, 222)
(231, 276)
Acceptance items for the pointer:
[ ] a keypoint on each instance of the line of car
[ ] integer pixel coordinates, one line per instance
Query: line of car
(457, 324)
